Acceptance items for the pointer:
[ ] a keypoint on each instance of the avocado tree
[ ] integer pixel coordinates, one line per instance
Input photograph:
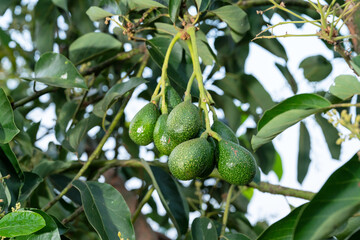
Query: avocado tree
(88, 64)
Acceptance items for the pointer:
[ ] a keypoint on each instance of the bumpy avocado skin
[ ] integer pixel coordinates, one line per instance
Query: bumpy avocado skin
(142, 125)
(183, 122)
(190, 159)
(236, 165)
(163, 142)
(224, 131)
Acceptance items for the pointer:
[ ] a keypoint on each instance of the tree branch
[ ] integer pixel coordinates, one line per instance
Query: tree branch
(36, 95)
(256, 3)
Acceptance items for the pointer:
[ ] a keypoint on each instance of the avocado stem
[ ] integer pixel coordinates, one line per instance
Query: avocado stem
(163, 79)
(189, 85)
(226, 211)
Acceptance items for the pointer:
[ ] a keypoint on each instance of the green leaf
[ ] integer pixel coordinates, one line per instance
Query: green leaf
(20, 223)
(174, 197)
(278, 169)
(56, 70)
(161, 196)
(345, 86)
(273, 46)
(97, 14)
(106, 210)
(31, 182)
(174, 8)
(48, 167)
(265, 157)
(234, 236)
(9, 165)
(204, 49)
(330, 134)
(4, 204)
(304, 153)
(203, 229)
(234, 17)
(143, 4)
(316, 68)
(45, 15)
(165, 27)
(355, 63)
(74, 136)
(4, 4)
(8, 129)
(286, 114)
(61, 4)
(336, 201)
(92, 45)
(284, 228)
(65, 115)
(202, 5)
(118, 90)
(288, 76)
(49, 232)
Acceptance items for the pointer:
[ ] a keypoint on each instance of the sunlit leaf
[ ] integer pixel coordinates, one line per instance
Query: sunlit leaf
(345, 86)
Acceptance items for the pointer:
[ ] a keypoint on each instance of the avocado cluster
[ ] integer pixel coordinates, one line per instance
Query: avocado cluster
(192, 154)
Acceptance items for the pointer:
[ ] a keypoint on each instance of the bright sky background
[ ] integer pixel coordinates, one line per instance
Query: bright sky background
(261, 64)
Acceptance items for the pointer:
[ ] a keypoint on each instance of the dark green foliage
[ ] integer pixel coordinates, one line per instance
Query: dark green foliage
(184, 122)
(189, 159)
(236, 164)
(163, 142)
(142, 125)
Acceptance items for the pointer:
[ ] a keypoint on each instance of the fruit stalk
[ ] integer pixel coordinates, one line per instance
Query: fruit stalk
(189, 85)
(141, 204)
(227, 209)
(203, 96)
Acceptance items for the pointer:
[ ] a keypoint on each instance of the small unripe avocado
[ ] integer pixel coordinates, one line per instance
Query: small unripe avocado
(224, 131)
(183, 122)
(163, 142)
(142, 125)
(236, 165)
(190, 159)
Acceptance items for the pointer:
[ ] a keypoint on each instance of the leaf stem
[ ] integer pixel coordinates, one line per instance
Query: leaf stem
(141, 204)
(227, 209)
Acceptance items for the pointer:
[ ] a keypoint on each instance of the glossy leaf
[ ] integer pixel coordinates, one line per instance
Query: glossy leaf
(20, 223)
(61, 4)
(106, 210)
(118, 90)
(161, 196)
(174, 8)
(202, 5)
(174, 197)
(355, 63)
(234, 17)
(336, 201)
(316, 68)
(234, 236)
(330, 134)
(8, 129)
(203, 229)
(304, 153)
(31, 182)
(288, 76)
(265, 157)
(97, 14)
(284, 228)
(92, 45)
(48, 232)
(345, 86)
(144, 4)
(9, 165)
(286, 114)
(45, 15)
(56, 70)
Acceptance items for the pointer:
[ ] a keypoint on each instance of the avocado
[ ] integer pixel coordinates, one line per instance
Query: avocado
(211, 167)
(142, 125)
(162, 140)
(190, 159)
(183, 122)
(172, 98)
(224, 131)
(236, 165)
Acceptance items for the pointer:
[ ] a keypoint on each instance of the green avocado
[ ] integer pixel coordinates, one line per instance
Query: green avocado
(224, 131)
(172, 98)
(236, 165)
(209, 168)
(190, 159)
(162, 140)
(142, 125)
(183, 122)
